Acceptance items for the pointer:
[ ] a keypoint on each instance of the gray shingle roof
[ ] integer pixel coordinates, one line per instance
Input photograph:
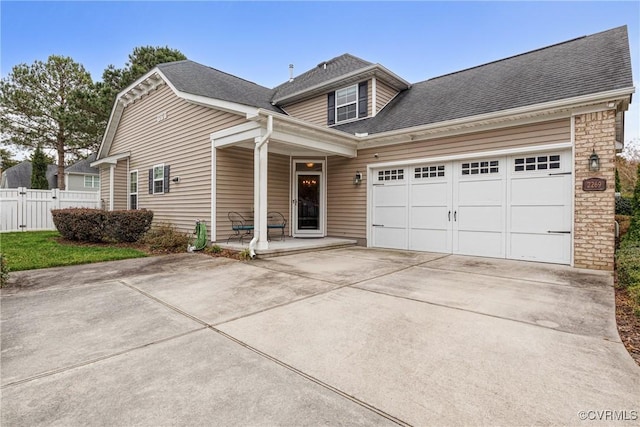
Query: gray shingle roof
(196, 79)
(83, 166)
(336, 67)
(20, 176)
(582, 66)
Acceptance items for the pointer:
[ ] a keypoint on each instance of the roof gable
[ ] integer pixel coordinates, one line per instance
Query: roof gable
(323, 72)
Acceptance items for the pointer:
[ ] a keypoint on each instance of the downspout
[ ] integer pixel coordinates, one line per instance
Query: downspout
(256, 186)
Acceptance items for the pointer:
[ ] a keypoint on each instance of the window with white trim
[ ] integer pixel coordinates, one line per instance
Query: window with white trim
(391, 175)
(480, 167)
(347, 103)
(91, 181)
(158, 179)
(536, 163)
(133, 190)
(429, 171)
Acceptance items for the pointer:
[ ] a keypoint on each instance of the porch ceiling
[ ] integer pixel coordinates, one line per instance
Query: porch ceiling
(285, 139)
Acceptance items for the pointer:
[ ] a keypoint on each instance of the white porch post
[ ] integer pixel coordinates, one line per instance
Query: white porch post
(112, 176)
(263, 205)
(260, 181)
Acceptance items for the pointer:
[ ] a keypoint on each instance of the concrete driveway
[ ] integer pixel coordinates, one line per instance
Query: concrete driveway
(341, 337)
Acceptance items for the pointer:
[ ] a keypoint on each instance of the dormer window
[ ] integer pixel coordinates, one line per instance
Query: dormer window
(347, 103)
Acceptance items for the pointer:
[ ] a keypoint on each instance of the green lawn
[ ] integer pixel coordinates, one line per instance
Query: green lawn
(39, 249)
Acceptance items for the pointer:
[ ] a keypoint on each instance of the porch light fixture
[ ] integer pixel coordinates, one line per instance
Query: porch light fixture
(357, 179)
(594, 162)
(310, 165)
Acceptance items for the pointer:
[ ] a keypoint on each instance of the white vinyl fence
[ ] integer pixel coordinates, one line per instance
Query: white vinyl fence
(27, 210)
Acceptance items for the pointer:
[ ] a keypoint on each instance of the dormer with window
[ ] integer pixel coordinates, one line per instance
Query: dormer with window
(338, 91)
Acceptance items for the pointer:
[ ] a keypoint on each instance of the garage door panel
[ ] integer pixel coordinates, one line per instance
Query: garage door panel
(526, 247)
(480, 243)
(429, 240)
(545, 190)
(434, 217)
(391, 216)
(430, 194)
(388, 237)
(538, 219)
(480, 192)
(479, 218)
(390, 195)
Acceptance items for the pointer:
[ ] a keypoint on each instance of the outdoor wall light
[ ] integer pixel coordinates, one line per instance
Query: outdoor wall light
(594, 162)
(176, 179)
(357, 179)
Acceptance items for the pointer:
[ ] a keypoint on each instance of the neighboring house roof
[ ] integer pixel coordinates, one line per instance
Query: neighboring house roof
(325, 71)
(582, 66)
(197, 79)
(83, 167)
(20, 176)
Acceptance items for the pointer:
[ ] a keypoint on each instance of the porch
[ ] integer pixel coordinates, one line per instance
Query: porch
(291, 245)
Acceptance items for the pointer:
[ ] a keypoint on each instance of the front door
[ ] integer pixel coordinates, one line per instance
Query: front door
(308, 199)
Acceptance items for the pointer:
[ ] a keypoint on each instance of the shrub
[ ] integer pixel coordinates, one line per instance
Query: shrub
(624, 206)
(244, 255)
(97, 225)
(127, 225)
(85, 225)
(165, 238)
(4, 270)
(215, 249)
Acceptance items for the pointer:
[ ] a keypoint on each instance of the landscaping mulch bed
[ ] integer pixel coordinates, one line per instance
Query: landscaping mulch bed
(628, 324)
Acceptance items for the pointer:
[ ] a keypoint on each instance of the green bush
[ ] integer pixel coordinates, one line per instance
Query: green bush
(165, 238)
(85, 225)
(4, 270)
(624, 206)
(127, 225)
(97, 225)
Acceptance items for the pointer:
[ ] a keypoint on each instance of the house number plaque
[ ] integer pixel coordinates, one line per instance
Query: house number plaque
(594, 184)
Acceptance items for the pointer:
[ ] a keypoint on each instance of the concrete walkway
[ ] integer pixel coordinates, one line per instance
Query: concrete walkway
(351, 336)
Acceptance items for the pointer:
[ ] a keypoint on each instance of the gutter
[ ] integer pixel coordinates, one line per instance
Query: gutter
(256, 185)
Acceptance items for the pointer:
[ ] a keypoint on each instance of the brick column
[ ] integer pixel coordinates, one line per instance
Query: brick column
(594, 238)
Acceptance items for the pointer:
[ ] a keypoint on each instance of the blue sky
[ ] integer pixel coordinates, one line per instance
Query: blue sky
(258, 40)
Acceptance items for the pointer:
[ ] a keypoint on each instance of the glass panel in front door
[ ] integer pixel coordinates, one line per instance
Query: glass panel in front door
(308, 202)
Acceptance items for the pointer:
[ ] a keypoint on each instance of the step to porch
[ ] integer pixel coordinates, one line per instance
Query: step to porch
(292, 246)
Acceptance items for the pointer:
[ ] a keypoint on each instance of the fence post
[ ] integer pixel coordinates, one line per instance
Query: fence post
(55, 199)
(22, 201)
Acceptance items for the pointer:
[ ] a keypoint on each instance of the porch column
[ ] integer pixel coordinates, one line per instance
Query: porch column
(260, 169)
(112, 176)
(263, 242)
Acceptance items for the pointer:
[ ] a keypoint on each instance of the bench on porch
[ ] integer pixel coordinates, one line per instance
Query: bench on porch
(240, 225)
(276, 221)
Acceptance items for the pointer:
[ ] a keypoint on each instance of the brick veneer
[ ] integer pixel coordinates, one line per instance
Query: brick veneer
(594, 239)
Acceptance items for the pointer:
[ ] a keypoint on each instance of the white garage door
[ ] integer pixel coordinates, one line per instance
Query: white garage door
(506, 207)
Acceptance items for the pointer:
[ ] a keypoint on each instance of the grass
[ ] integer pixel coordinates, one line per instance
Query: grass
(41, 249)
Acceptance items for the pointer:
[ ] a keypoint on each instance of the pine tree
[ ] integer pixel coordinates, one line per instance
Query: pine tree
(39, 170)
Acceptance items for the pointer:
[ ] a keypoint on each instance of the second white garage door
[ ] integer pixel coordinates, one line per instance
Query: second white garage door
(515, 207)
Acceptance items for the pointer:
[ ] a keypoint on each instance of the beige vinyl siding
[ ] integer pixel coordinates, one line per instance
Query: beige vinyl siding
(180, 141)
(234, 186)
(312, 110)
(384, 94)
(104, 187)
(120, 186)
(346, 203)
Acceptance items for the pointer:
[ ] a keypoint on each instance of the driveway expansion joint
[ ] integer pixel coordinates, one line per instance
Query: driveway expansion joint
(486, 314)
(312, 379)
(96, 360)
